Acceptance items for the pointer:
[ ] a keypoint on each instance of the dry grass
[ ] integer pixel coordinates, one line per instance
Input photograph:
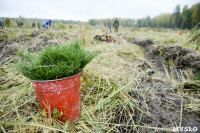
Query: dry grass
(106, 83)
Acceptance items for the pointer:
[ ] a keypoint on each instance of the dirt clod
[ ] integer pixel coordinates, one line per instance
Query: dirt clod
(143, 43)
(35, 33)
(104, 38)
(183, 58)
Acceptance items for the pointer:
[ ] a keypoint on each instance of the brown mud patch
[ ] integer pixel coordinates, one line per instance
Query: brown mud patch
(182, 57)
(35, 33)
(32, 43)
(165, 104)
(139, 42)
(104, 38)
(143, 43)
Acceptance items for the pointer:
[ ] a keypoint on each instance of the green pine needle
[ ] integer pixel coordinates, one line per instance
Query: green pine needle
(54, 62)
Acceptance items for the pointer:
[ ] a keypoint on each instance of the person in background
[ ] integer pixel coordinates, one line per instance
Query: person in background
(33, 24)
(38, 25)
(97, 26)
(50, 22)
(109, 25)
(116, 25)
(20, 24)
(1, 23)
(44, 25)
(47, 23)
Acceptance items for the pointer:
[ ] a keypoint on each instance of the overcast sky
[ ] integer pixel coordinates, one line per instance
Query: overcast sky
(86, 9)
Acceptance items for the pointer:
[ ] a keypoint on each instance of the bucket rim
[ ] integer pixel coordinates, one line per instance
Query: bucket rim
(57, 79)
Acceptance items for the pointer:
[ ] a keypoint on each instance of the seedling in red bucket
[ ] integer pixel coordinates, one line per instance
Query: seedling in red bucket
(56, 76)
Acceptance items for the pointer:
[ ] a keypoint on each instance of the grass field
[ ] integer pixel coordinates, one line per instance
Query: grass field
(126, 88)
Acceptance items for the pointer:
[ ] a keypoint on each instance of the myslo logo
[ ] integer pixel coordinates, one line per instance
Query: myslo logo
(191, 129)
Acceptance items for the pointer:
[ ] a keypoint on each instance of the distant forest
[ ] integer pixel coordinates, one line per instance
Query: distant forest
(36, 20)
(185, 19)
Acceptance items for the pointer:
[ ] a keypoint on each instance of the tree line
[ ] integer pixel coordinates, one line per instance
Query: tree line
(185, 19)
(9, 21)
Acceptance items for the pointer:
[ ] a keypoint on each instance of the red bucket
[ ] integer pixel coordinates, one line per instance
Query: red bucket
(62, 94)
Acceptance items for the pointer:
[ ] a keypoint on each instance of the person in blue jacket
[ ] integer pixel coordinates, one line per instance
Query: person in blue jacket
(50, 21)
(1, 23)
(44, 25)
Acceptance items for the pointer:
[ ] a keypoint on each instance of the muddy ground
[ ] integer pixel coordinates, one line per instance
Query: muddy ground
(33, 42)
(104, 38)
(165, 101)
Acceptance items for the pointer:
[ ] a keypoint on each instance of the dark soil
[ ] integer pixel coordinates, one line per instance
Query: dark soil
(183, 58)
(7, 49)
(164, 106)
(104, 38)
(143, 43)
(35, 33)
(163, 103)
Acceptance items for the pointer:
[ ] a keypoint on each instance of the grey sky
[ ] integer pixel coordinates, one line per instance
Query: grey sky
(86, 9)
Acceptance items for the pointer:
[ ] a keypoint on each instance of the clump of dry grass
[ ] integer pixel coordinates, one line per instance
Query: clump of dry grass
(118, 62)
(59, 26)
